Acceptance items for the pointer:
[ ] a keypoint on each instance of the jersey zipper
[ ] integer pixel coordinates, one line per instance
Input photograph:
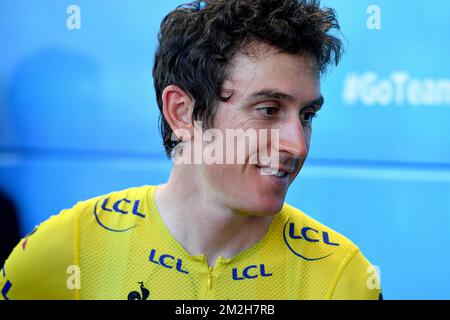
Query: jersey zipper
(209, 281)
(210, 270)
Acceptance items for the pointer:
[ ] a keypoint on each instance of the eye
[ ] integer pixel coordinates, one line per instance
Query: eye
(307, 118)
(269, 111)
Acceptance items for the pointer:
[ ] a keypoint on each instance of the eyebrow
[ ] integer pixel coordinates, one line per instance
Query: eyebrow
(277, 95)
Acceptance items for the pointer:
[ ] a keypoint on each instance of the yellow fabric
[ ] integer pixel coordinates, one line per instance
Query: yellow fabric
(122, 250)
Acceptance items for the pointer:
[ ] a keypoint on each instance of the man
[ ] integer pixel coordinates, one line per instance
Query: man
(219, 228)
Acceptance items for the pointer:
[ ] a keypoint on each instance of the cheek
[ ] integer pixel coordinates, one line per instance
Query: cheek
(240, 138)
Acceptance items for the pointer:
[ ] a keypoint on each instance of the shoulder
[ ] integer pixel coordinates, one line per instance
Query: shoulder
(38, 266)
(314, 235)
(117, 211)
(116, 201)
(354, 277)
(128, 202)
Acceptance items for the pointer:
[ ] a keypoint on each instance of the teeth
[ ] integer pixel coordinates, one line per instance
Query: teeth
(265, 171)
(272, 172)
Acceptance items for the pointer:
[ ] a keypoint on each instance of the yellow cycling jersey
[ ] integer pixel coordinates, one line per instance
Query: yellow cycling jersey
(116, 246)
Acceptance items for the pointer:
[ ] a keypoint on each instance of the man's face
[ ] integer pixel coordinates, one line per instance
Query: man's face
(269, 90)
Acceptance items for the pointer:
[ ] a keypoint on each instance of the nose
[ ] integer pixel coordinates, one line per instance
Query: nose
(293, 139)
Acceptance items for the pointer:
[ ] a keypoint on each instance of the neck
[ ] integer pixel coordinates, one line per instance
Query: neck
(201, 223)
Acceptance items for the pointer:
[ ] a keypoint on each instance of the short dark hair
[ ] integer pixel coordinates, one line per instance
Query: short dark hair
(197, 41)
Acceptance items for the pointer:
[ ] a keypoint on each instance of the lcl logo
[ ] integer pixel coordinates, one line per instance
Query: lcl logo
(167, 261)
(293, 235)
(123, 207)
(250, 272)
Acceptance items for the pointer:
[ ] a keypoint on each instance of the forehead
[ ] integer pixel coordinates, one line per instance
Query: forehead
(264, 67)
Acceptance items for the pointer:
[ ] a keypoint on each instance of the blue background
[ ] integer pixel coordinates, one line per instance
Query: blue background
(78, 118)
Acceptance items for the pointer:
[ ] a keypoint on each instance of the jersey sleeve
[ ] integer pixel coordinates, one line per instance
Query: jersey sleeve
(359, 280)
(42, 264)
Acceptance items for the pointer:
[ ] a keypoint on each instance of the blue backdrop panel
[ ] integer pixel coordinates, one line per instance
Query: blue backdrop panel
(90, 88)
(390, 98)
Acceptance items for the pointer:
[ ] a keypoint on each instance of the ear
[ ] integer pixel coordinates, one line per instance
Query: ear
(177, 110)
